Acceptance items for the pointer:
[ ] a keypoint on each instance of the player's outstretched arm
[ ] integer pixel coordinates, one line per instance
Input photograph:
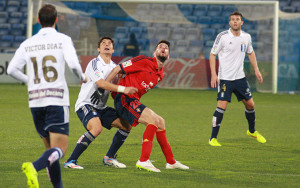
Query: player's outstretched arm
(116, 88)
(113, 73)
(106, 84)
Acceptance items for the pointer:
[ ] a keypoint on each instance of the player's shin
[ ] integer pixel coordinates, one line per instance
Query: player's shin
(54, 174)
(250, 115)
(117, 142)
(216, 122)
(148, 142)
(82, 144)
(165, 146)
(48, 158)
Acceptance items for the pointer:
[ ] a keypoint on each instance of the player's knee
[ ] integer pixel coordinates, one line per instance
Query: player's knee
(122, 124)
(160, 123)
(124, 128)
(250, 106)
(128, 128)
(96, 130)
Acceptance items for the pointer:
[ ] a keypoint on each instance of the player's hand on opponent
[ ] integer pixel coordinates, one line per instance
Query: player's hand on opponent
(97, 96)
(130, 90)
(214, 81)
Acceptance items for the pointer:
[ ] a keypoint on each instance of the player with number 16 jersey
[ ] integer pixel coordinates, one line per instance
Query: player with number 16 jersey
(45, 54)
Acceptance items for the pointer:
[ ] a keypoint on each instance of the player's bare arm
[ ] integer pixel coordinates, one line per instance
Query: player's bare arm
(214, 76)
(112, 87)
(117, 79)
(113, 73)
(253, 62)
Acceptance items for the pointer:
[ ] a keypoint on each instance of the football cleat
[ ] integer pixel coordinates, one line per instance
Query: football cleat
(214, 142)
(31, 174)
(147, 165)
(109, 161)
(72, 164)
(177, 165)
(258, 136)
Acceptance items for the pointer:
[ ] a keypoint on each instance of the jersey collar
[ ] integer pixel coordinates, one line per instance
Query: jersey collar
(231, 34)
(46, 30)
(159, 72)
(155, 63)
(103, 62)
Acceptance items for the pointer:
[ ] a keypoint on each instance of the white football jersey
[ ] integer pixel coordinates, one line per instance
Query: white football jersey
(96, 69)
(231, 53)
(45, 55)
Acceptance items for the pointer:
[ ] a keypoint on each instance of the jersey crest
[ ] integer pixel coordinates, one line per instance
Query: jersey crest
(243, 47)
(97, 73)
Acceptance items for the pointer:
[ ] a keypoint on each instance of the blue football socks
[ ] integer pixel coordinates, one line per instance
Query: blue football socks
(48, 158)
(250, 115)
(55, 174)
(117, 142)
(216, 123)
(82, 144)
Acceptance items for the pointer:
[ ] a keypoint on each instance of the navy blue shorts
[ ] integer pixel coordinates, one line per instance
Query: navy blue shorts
(240, 88)
(129, 109)
(51, 119)
(106, 115)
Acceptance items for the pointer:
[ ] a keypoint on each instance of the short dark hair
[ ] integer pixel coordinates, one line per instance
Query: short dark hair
(105, 37)
(163, 41)
(47, 15)
(236, 13)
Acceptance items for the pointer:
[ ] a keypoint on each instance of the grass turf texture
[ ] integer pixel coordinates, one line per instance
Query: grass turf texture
(240, 162)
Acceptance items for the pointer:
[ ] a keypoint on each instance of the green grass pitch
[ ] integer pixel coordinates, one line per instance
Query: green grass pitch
(240, 162)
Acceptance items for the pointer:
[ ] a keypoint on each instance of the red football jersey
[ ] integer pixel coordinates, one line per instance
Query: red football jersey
(141, 72)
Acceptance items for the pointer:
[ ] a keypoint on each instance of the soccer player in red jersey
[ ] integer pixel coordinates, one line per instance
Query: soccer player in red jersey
(144, 73)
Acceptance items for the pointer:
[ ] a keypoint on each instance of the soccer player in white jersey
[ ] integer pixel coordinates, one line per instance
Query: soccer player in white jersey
(231, 46)
(45, 55)
(92, 110)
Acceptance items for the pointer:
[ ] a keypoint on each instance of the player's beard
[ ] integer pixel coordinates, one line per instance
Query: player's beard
(236, 29)
(162, 58)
